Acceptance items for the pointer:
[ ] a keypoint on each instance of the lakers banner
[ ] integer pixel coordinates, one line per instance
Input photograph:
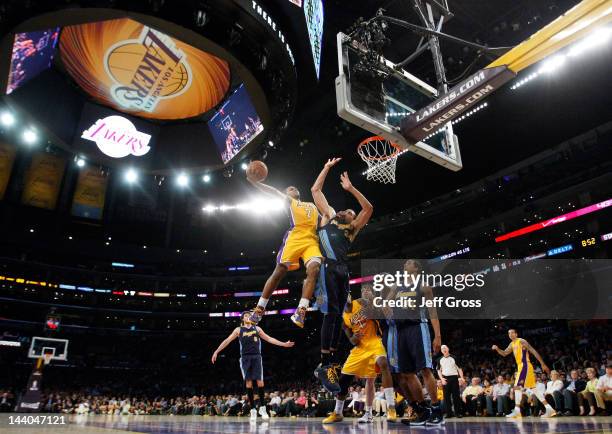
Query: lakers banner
(7, 158)
(90, 193)
(43, 180)
(142, 71)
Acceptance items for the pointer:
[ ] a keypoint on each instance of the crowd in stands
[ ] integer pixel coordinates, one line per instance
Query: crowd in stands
(580, 382)
(578, 392)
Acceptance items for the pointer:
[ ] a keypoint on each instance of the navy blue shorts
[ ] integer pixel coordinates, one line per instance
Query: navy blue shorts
(251, 367)
(408, 347)
(332, 287)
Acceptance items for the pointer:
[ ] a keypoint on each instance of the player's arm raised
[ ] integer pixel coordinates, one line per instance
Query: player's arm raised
(503, 353)
(317, 190)
(366, 207)
(532, 350)
(435, 322)
(267, 189)
(228, 340)
(272, 340)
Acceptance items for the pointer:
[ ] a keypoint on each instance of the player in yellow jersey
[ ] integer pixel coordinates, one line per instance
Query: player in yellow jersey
(525, 379)
(367, 358)
(299, 243)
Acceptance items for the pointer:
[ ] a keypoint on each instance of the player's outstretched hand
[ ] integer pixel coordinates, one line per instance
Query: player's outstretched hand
(214, 358)
(288, 344)
(332, 162)
(494, 347)
(345, 181)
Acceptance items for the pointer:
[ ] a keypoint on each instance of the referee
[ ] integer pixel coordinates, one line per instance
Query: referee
(451, 375)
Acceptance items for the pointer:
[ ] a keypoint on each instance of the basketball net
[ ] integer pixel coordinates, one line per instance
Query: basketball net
(381, 157)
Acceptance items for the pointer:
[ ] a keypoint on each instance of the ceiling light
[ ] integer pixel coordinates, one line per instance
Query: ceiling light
(7, 119)
(182, 180)
(29, 137)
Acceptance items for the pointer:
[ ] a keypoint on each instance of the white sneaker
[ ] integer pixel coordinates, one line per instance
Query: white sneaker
(263, 413)
(515, 413)
(549, 413)
(253, 415)
(366, 418)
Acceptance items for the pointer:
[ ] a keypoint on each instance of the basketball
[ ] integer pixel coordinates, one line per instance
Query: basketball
(257, 170)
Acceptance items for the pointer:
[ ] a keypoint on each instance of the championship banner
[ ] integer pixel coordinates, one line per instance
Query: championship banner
(7, 158)
(142, 71)
(43, 180)
(90, 193)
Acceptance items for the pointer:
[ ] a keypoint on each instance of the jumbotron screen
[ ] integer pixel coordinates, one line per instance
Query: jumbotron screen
(33, 52)
(141, 71)
(235, 124)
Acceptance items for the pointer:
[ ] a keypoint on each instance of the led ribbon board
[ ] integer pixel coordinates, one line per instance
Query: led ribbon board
(555, 220)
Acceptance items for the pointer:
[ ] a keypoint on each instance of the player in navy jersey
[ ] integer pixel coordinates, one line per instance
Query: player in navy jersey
(249, 336)
(337, 231)
(409, 347)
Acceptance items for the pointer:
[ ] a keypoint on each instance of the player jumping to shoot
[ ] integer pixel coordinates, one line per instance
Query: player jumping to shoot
(525, 376)
(251, 364)
(300, 242)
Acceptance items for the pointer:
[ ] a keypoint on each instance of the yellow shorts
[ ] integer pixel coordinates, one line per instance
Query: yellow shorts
(298, 244)
(525, 376)
(361, 361)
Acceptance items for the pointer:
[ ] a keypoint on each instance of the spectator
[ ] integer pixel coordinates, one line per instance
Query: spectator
(6, 401)
(312, 406)
(473, 397)
(603, 392)
(500, 397)
(555, 385)
(301, 402)
(380, 403)
(275, 403)
(588, 394)
(288, 407)
(574, 386)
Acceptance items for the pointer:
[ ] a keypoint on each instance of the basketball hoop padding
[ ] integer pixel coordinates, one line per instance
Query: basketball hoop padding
(381, 157)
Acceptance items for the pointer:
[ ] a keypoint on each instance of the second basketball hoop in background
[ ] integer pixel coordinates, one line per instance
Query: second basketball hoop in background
(380, 155)
(257, 170)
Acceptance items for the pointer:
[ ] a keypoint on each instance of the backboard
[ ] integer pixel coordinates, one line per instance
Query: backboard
(40, 345)
(378, 98)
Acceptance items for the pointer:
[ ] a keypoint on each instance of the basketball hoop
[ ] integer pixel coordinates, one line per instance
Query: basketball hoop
(381, 157)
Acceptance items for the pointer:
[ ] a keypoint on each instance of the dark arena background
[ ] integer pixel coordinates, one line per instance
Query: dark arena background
(476, 137)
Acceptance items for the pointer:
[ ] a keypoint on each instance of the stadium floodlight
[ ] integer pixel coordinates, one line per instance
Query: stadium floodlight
(29, 136)
(206, 178)
(182, 180)
(131, 175)
(7, 118)
(244, 166)
(80, 162)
